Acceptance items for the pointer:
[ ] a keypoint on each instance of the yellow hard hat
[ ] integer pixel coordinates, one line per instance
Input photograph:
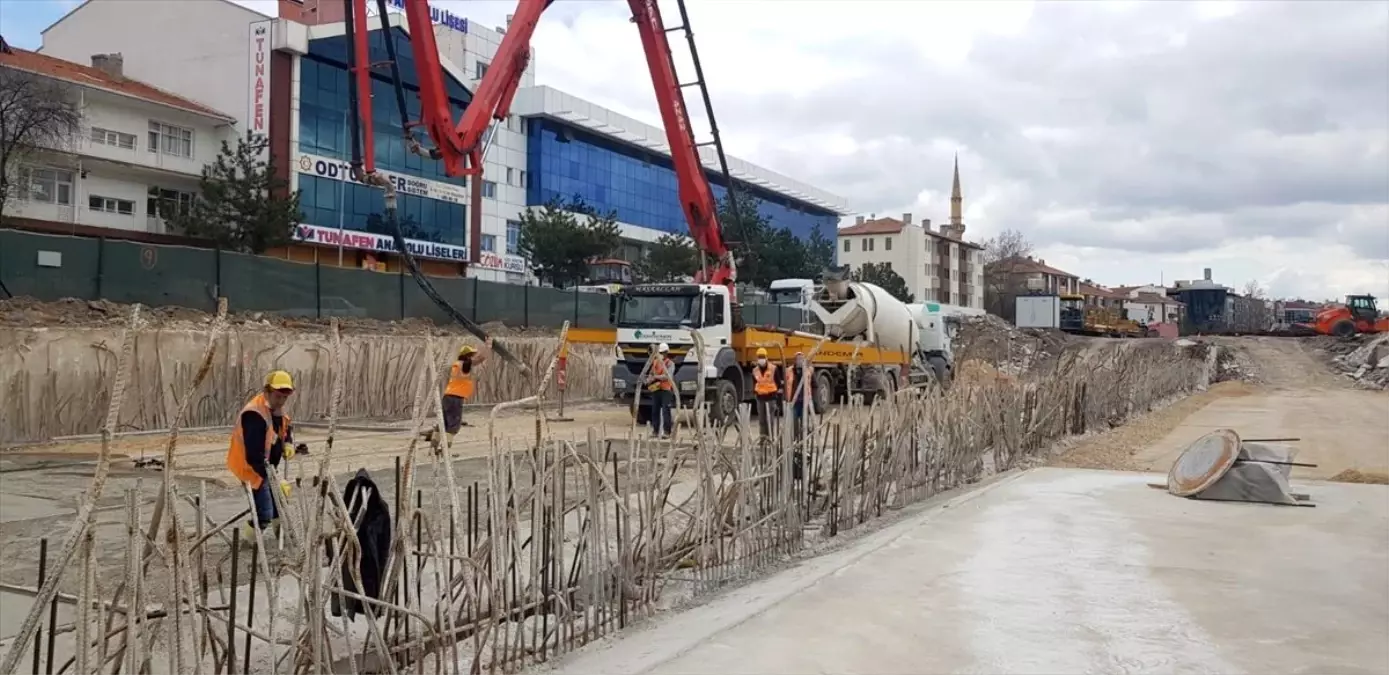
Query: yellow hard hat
(761, 352)
(465, 350)
(280, 380)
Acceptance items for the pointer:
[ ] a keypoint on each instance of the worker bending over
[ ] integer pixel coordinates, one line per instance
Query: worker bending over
(768, 385)
(461, 386)
(660, 384)
(261, 436)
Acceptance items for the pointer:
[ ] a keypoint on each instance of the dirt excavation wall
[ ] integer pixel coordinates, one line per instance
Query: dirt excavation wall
(57, 381)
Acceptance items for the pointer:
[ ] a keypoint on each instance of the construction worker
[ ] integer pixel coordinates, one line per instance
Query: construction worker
(461, 387)
(261, 436)
(795, 390)
(660, 385)
(768, 386)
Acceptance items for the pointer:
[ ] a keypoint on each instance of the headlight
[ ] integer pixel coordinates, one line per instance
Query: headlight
(617, 352)
(619, 384)
(688, 385)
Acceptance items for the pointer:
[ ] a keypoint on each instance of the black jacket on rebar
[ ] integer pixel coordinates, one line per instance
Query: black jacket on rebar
(373, 518)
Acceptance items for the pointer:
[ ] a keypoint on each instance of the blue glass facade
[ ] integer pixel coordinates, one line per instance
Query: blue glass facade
(565, 161)
(323, 105)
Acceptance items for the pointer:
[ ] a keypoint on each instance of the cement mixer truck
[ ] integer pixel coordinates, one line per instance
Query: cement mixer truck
(872, 345)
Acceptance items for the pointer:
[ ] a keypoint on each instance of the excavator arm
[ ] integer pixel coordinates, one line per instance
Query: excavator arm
(462, 147)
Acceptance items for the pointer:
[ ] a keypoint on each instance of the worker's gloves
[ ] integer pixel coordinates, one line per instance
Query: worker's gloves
(286, 488)
(292, 450)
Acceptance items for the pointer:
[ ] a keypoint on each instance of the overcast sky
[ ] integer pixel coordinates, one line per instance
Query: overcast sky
(1131, 142)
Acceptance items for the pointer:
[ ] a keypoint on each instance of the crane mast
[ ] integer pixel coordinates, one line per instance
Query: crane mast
(462, 146)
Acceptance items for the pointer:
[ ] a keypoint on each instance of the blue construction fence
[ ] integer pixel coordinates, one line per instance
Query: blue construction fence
(53, 267)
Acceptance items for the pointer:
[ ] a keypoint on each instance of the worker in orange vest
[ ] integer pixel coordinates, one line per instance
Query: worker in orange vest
(767, 384)
(461, 386)
(261, 437)
(660, 385)
(795, 390)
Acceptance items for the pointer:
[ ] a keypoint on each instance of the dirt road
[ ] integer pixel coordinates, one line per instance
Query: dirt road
(1296, 396)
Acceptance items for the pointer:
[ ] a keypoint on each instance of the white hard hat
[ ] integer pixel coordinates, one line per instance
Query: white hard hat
(663, 348)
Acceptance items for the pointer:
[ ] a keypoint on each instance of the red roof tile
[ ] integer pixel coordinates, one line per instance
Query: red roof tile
(1018, 265)
(1099, 292)
(87, 76)
(877, 226)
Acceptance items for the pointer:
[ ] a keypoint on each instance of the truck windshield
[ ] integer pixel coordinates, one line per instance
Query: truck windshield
(785, 296)
(659, 310)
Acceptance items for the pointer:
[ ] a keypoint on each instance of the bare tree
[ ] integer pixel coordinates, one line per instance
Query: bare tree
(37, 113)
(1252, 289)
(1004, 256)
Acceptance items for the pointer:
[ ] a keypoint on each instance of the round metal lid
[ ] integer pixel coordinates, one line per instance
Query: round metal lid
(1203, 462)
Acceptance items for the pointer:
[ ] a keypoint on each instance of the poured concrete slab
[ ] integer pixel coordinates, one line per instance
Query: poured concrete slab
(1059, 571)
(15, 606)
(16, 507)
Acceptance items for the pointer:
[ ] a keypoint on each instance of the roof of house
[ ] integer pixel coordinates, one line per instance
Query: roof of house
(1099, 291)
(894, 226)
(875, 226)
(87, 76)
(1018, 264)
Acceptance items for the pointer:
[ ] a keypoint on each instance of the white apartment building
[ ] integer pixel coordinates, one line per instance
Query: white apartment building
(936, 266)
(140, 149)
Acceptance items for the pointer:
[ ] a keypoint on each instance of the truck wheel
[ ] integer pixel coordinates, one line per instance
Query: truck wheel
(1343, 328)
(942, 372)
(820, 397)
(723, 409)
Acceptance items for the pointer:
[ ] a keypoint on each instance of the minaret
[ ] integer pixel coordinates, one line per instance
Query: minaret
(957, 205)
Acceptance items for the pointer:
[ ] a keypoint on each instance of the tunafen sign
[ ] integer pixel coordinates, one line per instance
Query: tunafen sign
(443, 17)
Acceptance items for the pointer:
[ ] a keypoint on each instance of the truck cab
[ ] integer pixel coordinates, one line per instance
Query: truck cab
(647, 315)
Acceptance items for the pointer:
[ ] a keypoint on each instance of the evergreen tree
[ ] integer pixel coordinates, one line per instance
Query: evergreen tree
(882, 275)
(241, 204)
(561, 238)
(672, 258)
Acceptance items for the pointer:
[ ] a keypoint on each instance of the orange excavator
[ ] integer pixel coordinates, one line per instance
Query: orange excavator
(1358, 315)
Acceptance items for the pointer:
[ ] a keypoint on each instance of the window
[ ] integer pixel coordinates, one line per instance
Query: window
(887, 243)
(489, 242)
(114, 138)
(124, 207)
(49, 186)
(847, 243)
(713, 310)
(481, 69)
(510, 176)
(513, 237)
(489, 189)
(867, 244)
(523, 179)
(170, 140)
(163, 203)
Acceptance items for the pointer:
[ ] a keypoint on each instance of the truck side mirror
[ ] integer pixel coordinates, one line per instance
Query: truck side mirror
(612, 308)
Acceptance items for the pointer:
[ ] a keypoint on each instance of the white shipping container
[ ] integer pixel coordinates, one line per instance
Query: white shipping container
(1038, 311)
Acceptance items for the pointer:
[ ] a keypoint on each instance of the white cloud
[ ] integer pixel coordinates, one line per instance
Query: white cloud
(1131, 141)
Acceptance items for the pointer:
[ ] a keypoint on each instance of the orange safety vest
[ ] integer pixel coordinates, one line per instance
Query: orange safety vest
(791, 391)
(658, 369)
(460, 383)
(765, 380)
(236, 452)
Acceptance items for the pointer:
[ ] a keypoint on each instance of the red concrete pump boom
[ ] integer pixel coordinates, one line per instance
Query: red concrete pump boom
(462, 146)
